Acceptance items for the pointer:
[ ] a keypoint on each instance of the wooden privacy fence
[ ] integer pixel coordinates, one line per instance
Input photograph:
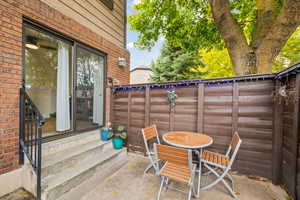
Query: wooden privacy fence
(219, 107)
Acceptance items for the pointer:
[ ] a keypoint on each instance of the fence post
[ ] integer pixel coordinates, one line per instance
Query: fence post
(277, 140)
(129, 112)
(147, 106)
(200, 108)
(171, 116)
(295, 132)
(235, 107)
(110, 116)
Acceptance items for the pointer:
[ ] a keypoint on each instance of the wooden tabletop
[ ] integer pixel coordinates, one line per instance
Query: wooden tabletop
(187, 140)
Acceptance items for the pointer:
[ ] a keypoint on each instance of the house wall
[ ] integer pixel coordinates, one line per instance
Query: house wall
(11, 13)
(140, 76)
(96, 16)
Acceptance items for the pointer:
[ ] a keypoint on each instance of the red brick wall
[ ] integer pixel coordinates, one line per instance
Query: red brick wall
(11, 13)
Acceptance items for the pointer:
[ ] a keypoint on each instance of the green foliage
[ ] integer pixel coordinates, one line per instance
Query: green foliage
(120, 128)
(189, 23)
(175, 64)
(118, 133)
(217, 63)
(184, 23)
(290, 53)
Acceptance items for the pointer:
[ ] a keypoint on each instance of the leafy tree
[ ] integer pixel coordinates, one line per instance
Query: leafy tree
(253, 31)
(290, 53)
(175, 64)
(217, 63)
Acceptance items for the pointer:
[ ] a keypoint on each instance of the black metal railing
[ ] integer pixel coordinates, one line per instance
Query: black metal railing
(31, 122)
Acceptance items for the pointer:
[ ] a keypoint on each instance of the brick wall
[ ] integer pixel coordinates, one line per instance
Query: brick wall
(11, 13)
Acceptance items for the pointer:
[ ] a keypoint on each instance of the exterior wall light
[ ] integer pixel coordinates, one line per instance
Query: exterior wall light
(122, 62)
(31, 42)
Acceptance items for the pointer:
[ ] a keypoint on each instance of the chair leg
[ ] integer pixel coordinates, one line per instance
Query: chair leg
(220, 178)
(209, 172)
(153, 164)
(167, 183)
(161, 187)
(190, 193)
(231, 179)
(199, 174)
(148, 168)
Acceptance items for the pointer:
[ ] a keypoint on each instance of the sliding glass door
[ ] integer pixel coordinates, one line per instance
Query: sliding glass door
(64, 79)
(89, 89)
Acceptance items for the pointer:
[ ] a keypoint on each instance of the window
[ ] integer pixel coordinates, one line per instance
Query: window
(108, 3)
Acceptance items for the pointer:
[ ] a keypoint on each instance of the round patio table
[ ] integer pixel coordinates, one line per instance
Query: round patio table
(189, 140)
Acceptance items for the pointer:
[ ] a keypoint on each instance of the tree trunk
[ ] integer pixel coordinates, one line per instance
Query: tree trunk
(243, 62)
(265, 59)
(285, 25)
(241, 54)
(270, 37)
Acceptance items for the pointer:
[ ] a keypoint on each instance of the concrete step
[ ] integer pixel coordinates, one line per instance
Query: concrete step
(58, 184)
(62, 160)
(102, 174)
(69, 142)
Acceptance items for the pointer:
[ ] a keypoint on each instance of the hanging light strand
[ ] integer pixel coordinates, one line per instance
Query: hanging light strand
(191, 83)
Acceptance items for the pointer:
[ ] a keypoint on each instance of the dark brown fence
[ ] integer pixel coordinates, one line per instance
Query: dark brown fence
(288, 148)
(218, 107)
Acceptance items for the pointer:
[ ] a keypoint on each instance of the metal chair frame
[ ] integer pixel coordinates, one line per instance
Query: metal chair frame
(151, 155)
(165, 180)
(213, 167)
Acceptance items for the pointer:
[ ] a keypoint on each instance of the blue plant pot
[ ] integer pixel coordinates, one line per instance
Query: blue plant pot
(117, 143)
(104, 135)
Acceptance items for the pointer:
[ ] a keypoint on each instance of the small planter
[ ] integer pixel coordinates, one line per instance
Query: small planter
(118, 136)
(117, 143)
(104, 134)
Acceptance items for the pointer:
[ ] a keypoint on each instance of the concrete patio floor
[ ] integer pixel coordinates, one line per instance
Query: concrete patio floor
(129, 183)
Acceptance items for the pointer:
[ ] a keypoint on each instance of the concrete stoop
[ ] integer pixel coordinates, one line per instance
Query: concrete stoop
(72, 164)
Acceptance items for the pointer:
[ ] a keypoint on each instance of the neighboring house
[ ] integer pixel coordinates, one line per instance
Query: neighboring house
(60, 53)
(140, 75)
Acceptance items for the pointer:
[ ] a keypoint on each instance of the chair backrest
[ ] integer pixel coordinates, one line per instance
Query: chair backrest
(173, 155)
(150, 132)
(234, 147)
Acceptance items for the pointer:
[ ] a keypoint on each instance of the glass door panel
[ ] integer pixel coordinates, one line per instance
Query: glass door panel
(48, 78)
(89, 89)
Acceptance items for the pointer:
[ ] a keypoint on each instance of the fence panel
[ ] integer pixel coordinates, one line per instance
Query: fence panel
(159, 110)
(255, 126)
(218, 115)
(298, 134)
(290, 151)
(185, 110)
(216, 110)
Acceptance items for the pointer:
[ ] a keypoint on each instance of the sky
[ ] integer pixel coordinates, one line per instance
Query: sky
(139, 57)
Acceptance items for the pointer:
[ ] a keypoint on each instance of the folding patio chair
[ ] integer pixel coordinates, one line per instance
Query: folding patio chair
(214, 161)
(150, 133)
(178, 167)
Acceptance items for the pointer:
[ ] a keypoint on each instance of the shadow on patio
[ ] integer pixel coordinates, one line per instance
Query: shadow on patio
(130, 183)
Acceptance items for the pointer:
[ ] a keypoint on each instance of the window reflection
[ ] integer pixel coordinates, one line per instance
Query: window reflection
(89, 90)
